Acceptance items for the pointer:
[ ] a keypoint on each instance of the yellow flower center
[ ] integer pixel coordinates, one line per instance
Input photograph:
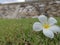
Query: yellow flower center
(46, 26)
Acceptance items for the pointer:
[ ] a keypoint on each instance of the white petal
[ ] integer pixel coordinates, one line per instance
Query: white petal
(42, 19)
(55, 29)
(52, 21)
(37, 26)
(48, 33)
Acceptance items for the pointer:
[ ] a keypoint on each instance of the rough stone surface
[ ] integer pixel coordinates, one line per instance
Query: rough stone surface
(29, 10)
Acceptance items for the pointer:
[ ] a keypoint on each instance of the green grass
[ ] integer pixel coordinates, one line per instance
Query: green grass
(20, 32)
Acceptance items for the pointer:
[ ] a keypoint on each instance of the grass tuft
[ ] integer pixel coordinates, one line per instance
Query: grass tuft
(20, 32)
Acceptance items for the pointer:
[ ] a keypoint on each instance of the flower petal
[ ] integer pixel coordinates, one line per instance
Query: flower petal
(48, 33)
(55, 28)
(52, 21)
(37, 26)
(42, 19)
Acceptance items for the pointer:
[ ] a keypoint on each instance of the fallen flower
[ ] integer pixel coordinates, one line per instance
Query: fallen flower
(47, 26)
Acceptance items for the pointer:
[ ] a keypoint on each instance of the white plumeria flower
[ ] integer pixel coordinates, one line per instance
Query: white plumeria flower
(47, 25)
